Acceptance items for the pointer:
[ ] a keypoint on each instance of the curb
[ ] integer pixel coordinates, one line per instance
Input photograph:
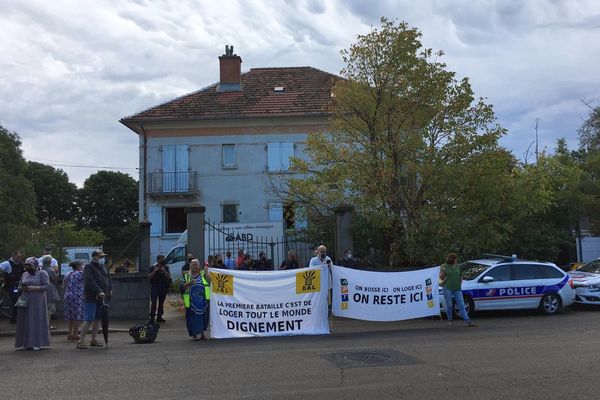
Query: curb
(58, 332)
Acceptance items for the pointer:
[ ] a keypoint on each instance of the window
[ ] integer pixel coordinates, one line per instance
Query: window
(175, 168)
(229, 156)
(275, 212)
(229, 212)
(550, 272)
(500, 273)
(175, 255)
(175, 220)
(278, 156)
(526, 272)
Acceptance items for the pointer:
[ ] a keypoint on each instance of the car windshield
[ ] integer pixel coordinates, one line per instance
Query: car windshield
(472, 270)
(592, 266)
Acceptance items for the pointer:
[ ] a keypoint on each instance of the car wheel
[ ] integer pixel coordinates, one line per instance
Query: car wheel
(550, 304)
(468, 307)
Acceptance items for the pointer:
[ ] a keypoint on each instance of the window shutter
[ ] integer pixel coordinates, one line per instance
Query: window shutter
(273, 156)
(155, 217)
(168, 168)
(275, 212)
(287, 151)
(182, 179)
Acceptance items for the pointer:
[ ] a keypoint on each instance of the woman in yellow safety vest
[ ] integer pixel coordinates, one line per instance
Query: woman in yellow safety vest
(196, 295)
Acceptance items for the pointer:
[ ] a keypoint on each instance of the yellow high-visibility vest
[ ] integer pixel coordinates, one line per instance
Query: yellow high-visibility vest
(186, 295)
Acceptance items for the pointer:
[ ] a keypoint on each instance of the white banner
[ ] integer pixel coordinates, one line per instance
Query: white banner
(385, 296)
(270, 303)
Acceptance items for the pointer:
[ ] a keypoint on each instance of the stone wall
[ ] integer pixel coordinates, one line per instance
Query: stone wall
(131, 297)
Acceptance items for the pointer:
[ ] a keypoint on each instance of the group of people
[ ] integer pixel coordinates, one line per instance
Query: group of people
(195, 292)
(33, 288)
(33, 285)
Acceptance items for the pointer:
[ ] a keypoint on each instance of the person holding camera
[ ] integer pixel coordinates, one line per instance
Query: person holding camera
(262, 264)
(160, 280)
(96, 288)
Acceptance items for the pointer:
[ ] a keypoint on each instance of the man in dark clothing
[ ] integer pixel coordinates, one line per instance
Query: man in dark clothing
(262, 264)
(13, 269)
(96, 288)
(348, 260)
(160, 280)
(186, 267)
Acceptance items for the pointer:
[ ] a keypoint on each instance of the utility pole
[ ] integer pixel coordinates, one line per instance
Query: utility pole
(537, 123)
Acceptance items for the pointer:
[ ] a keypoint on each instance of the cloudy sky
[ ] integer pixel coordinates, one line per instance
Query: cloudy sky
(69, 70)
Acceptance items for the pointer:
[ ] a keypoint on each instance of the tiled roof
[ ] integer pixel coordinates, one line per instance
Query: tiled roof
(306, 92)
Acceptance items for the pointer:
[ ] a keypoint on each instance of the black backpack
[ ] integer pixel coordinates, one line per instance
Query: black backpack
(144, 333)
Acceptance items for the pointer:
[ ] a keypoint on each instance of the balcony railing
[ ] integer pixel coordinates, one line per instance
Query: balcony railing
(163, 183)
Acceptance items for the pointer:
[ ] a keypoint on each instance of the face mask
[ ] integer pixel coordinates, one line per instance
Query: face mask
(101, 261)
(190, 259)
(30, 269)
(323, 255)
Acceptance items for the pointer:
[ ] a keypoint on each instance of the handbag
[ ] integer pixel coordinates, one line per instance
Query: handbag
(22, 301)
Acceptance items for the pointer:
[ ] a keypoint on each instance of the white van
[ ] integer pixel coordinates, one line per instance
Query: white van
(252, 237)
(82, 254)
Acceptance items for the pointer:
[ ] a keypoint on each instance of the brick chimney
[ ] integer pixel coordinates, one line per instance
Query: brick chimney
(230, 68)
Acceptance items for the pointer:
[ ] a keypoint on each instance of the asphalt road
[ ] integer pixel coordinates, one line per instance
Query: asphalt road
(509, 356)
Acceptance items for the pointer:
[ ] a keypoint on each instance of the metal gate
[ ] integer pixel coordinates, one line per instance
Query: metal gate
(221, 238)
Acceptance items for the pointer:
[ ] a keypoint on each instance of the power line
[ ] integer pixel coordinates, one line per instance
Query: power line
(55, 163)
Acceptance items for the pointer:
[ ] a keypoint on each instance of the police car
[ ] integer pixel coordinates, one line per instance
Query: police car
(587, 283)
(506, 283)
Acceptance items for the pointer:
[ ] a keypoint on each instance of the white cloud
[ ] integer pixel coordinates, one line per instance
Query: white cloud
(71, 69)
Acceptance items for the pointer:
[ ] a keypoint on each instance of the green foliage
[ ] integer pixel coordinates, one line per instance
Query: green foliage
(17, 198)
(412, 150)
(589, 132)
(55, 195)
(108, 200)
(63, 234)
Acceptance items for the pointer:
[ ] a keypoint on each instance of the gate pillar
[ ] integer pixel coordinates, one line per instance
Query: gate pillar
(343, 229)
(195, 232)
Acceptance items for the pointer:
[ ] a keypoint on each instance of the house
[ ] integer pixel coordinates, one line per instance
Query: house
(217, 146)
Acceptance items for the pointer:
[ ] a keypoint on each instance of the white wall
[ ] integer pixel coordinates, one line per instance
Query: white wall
(246, 185)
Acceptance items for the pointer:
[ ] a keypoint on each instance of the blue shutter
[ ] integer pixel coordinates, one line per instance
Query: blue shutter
(287, 151)
(273, 156)
(155, 217)
(168, 168)
(182, 180)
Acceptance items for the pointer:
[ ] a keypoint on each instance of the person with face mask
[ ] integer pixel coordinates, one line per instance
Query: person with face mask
(96, 288)
(52, 296)
(186, 267)
(32, 320)
(321, 257)
(348, 260)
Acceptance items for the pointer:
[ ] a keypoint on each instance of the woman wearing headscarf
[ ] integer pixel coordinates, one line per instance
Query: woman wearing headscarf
(32, 320)
(73, 302)
(52, 296)
(194, 287)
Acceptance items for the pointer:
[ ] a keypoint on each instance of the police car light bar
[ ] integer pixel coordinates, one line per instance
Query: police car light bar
(500, 257)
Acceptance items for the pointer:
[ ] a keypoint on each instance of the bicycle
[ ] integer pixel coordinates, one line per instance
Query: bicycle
(6, 304)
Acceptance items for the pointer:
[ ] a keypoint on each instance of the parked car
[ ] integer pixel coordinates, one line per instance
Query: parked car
(586, 280)
(504, 283)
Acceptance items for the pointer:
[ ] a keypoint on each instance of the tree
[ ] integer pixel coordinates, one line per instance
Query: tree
(17, 197)
(412, 149)
(55, 194)
(546, 233)
(108, 200)
(589, 132)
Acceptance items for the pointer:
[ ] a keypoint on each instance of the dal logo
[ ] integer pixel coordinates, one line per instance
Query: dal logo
(308, 281)
(222, 284)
